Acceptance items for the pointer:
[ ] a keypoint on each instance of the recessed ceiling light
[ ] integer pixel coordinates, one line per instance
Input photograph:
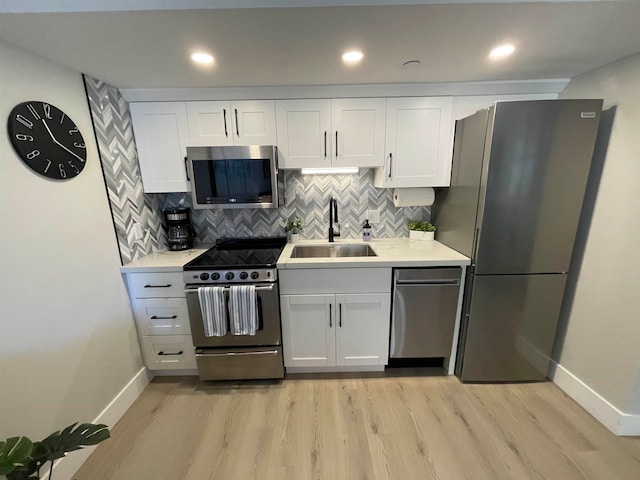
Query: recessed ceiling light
(352, 56)
(502, 51)
(200, 57)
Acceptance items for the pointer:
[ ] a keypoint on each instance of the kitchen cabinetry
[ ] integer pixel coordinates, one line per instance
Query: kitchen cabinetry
(160, 310)
(162, 135)
(418, 145)
(327, 330)
(237, 123)
(331, 133)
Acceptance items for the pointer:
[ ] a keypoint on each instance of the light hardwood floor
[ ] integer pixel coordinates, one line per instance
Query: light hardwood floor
(402, 426)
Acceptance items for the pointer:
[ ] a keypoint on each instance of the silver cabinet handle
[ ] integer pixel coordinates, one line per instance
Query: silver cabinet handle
(340, 318)
(171, 353)
(155, 317)
(158, 286)
(390, 163)
(237, 129)
(224, 113)
(336, 144)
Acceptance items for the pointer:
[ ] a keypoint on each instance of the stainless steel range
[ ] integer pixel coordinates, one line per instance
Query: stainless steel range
(232, 262)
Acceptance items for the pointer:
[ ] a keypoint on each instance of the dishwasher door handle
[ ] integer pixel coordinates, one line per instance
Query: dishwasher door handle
(443, 281)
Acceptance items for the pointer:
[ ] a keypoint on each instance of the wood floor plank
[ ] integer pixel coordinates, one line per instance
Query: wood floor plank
(400, 425)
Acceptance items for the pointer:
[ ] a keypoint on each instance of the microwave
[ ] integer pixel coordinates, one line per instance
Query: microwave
(234, 177)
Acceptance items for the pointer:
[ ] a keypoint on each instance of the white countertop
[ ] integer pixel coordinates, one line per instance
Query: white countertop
(166, 261)
(390, 252)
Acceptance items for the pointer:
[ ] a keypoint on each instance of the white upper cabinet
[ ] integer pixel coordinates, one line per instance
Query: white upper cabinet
(331, 133)
(418, 148)
(162, 136)
(237, 123)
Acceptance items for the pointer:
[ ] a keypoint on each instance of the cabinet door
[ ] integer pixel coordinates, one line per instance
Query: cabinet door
(161, 134)
(210, 123)
(419, 134)
(363, 329)
(308, 330)
(254, 122)
(162, 316)
(304, 138)
(357, 132)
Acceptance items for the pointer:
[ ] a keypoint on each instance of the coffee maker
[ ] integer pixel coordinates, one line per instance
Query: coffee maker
(180, 232)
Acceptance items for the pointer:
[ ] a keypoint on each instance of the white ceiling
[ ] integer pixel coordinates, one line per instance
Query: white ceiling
(277, 45)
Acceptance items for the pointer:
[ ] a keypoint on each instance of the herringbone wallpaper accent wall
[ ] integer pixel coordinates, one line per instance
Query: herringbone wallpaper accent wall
(304, 195)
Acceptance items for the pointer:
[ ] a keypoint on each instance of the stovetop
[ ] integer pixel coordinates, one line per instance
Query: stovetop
(240, 252)
(236, 260)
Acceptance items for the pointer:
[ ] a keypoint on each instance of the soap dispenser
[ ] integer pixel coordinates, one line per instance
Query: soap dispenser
(366, 231)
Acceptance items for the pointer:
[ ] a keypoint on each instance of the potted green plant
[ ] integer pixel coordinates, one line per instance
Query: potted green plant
(22, 459)
(421, 230)
(293, 227)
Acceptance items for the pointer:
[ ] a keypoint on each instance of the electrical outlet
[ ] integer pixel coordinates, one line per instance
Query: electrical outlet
(137, 231)
(373, 216)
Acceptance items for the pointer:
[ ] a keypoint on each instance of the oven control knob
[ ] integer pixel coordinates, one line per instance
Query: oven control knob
(229, 276)
(204, 276)
(244, 275)
(255, 275)
(215, 276)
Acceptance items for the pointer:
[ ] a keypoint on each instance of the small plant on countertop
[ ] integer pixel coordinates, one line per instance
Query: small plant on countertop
(421, 226)
(294, 226)
(22, 459)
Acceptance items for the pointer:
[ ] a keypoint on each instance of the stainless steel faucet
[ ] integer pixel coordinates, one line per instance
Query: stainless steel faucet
(334, 225)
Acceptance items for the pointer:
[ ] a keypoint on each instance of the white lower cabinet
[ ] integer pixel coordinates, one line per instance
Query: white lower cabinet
(162, 320)
(329, 330)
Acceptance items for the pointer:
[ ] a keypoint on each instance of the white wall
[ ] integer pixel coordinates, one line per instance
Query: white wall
(68, 344)
(601, 344)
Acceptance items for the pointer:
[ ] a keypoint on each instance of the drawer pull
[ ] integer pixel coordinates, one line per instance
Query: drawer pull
(158, 286)
(233, 354)
(155, 317)
(170, 353)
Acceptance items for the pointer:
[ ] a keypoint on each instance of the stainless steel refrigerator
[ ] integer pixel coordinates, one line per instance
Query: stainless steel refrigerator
(518, 179)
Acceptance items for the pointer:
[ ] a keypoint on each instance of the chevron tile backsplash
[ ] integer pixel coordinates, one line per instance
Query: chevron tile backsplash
(306, 196)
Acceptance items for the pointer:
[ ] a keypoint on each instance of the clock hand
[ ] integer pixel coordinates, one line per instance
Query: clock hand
(49, 130)
(59, 144)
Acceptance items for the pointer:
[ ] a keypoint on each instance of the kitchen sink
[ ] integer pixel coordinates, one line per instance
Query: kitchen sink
(315, 251)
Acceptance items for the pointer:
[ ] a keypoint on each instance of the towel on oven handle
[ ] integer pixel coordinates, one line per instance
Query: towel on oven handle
(242, 310)
(214, 312)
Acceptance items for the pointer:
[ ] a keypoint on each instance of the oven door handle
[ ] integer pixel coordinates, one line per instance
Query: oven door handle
(227, 354)
(226, 289)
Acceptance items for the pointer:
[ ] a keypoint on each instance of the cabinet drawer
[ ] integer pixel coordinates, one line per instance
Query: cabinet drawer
(170, 352)
(162, 316)
(153, 285)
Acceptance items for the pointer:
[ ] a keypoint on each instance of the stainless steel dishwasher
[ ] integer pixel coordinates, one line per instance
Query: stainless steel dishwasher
(425, 302)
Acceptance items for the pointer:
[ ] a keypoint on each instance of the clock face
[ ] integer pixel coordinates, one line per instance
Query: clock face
(47, 140)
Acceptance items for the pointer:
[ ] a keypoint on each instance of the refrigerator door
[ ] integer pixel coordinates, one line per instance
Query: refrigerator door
(455, 208)
(539, 161)
(509, 327)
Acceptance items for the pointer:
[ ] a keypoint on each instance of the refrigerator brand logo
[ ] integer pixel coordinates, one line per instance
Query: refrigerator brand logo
(588, 115)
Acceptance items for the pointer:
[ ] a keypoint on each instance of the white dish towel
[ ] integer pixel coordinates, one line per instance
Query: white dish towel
(242, 310)
(214, 312)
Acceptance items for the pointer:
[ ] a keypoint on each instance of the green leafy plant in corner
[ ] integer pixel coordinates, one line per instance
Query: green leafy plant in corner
(294, 225)
(421, 226)
(22, 459)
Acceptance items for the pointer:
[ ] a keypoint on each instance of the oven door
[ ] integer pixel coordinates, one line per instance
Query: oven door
(268, 333)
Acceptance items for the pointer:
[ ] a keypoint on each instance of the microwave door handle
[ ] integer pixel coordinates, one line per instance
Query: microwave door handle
(224, 114)
(186, 169)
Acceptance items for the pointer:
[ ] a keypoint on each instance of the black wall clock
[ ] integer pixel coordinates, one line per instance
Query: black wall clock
(47, 140)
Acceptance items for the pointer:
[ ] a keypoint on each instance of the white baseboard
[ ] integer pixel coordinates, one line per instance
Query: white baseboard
(66, 467)
(620, 423)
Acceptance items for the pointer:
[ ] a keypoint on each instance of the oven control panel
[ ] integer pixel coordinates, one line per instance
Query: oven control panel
(212, 277)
